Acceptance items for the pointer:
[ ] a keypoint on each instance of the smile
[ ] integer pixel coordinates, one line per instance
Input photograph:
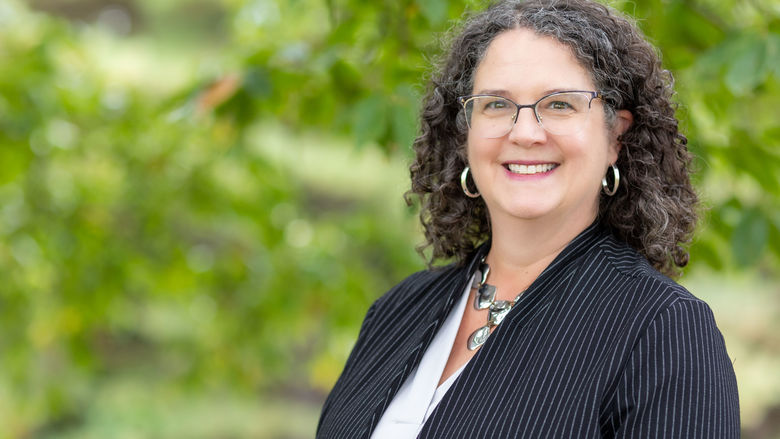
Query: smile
(530, 169)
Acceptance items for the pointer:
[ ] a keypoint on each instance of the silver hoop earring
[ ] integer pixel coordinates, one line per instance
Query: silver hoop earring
(616, 176)
(463, 185)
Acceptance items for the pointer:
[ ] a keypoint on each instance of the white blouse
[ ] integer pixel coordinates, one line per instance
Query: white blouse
(419, 396)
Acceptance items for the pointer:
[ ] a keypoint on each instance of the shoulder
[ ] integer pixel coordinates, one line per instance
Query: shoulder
(676, 345)
(637, 299)
(433, 281)
(415, 299)
(635, 276)
(663, 311)
(421, 285)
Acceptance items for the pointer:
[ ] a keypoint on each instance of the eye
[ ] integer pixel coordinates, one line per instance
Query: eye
(559, 106)
(496, 104)
(563, 104)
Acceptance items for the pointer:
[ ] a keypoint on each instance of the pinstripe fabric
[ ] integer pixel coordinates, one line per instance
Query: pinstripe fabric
(600, 345)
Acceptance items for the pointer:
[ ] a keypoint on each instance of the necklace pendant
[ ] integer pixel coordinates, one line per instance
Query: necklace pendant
(498, 310)
(477, 279)
(484, 270)
(478, 337)
(486, 294)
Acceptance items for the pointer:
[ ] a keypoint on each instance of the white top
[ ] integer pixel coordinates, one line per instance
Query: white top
(419, 396)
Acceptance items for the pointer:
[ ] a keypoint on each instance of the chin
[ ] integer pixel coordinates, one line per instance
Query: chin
(529, 212)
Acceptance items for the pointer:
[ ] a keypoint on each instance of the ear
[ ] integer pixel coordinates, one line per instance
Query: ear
(623, 122)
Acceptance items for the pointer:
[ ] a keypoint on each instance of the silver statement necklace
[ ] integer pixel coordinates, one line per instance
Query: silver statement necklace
(486, 299)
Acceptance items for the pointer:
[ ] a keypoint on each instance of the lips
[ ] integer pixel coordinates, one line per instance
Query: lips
(540, 168)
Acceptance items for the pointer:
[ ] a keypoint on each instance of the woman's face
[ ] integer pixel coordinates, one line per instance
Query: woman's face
(529, 173)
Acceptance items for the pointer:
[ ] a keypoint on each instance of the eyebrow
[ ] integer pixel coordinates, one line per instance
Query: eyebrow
(505, 93)
(493, 92)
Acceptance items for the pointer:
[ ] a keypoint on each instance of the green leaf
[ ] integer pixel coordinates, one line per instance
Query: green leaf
(345, 77)
(403, 126)
(705, 252)
(773, 54)
(435, 11)
(749, 68)
(404, 117)
(774, 236)
(749, 238)
(369, 119)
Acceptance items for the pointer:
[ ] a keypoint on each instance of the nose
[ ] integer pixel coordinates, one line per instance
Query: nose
(527, 130)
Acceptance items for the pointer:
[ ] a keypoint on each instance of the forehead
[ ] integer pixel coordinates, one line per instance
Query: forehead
(525, 64)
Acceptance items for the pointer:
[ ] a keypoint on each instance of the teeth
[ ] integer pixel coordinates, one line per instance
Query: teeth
(529, 169)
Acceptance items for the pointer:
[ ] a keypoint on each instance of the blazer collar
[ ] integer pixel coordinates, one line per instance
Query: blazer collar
(573, 249)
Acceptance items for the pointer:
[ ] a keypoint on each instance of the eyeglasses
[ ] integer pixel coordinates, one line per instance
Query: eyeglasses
(562, 113)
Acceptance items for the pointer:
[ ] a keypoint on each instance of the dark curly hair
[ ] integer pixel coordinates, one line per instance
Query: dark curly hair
(654, 209)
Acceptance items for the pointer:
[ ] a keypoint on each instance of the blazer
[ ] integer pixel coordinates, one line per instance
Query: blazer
(601, 345)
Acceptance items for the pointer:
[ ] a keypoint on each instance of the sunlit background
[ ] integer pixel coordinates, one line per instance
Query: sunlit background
(200, 199)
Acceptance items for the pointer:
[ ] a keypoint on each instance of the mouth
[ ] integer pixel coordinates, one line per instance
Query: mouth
(530, 169)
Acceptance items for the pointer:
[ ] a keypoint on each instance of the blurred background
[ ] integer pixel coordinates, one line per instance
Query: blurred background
(199, 199)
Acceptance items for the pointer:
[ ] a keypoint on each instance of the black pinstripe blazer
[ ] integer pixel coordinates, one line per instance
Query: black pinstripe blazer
(600, 345)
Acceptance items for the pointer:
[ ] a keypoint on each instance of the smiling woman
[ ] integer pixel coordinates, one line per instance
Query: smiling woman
(573, 149)
(554, 320)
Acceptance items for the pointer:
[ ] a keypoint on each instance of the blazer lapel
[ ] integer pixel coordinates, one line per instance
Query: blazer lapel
(427, 314)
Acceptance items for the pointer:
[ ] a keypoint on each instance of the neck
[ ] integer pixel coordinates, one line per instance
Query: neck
(521, 249)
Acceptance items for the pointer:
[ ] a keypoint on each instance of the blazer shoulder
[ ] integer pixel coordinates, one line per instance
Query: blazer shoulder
(415, 286)
(639, 277)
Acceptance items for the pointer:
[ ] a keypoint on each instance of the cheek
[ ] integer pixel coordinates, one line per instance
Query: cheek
(598, 146)
(581, 146)
(469, 148)
(608, 139)
(477, 150)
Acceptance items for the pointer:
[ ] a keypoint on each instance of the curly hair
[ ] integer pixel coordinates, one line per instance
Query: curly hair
(654, 209)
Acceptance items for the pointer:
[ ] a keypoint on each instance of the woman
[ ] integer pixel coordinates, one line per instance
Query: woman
(551, 170)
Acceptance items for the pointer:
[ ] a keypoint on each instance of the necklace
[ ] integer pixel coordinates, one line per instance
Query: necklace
(486, 299)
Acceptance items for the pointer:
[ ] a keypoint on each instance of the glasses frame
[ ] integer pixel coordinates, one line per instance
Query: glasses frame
(464, 100)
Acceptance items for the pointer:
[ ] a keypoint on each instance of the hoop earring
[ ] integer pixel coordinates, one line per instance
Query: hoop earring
(463, 185)
(616, 176)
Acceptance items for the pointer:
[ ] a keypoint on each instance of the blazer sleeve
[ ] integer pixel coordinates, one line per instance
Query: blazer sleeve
(678, 382)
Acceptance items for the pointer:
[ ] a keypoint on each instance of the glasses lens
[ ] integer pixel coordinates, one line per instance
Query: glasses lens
(490, 116)
(564, 113)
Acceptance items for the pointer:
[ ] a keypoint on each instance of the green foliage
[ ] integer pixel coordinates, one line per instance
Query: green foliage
(144, 236)
(360, 72)
(728, 80)
(205, 231)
